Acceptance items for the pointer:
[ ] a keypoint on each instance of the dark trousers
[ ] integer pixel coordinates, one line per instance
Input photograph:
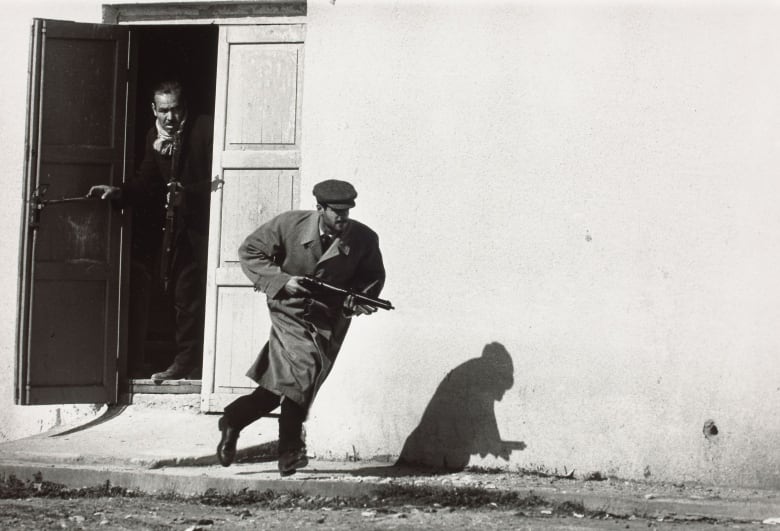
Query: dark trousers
(187, 286)
(186, 294)
(248, 408)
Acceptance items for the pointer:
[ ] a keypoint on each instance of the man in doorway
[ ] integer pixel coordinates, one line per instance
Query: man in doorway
(170, 196)
(307, 327)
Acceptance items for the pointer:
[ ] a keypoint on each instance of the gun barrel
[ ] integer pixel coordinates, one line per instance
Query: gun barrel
(379, 303)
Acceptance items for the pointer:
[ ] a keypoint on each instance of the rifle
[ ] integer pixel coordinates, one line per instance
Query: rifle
(171, 202)
(358, 297)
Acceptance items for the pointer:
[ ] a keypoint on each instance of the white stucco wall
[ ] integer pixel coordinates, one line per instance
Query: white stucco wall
(15, 23)
(592, 185)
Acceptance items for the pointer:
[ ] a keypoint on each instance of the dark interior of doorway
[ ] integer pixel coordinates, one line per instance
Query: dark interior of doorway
(187, 53)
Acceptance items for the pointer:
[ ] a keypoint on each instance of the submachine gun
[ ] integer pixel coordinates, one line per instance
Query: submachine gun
(359, 298)
(172, 201)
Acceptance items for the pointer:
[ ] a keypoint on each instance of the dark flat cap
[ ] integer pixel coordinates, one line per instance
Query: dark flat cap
(336, 194)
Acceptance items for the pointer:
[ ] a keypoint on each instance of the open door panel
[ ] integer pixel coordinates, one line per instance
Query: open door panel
(69, 326)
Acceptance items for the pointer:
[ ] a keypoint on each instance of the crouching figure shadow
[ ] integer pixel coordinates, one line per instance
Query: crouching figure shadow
(460, 420)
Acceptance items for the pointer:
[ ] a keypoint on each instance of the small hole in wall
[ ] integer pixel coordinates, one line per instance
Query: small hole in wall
(710, 429)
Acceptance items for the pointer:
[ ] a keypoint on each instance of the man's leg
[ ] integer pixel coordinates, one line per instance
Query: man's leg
(188, 282)
(292, 450)
(239, 414)
(246, 409)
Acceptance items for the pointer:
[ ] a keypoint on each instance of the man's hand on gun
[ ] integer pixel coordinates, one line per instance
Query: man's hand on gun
(173, 193)
(295, 287)
(353, 308)
(354, 303)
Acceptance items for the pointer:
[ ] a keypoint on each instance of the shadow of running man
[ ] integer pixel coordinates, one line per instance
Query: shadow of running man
(460, 420)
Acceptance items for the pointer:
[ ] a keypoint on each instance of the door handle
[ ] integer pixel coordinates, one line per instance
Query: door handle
(66, 200)
(37, 203)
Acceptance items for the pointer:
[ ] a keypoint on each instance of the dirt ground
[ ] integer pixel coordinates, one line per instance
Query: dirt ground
(155, 514)
(35, 505)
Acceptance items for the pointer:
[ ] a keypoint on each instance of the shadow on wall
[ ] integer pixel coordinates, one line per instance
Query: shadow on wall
(460, 420)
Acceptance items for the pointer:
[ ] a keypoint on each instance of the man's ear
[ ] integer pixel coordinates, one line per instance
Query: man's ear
(154, 109)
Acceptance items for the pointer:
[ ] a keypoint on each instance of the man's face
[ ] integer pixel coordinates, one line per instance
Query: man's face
(334, 221)
(169, 111)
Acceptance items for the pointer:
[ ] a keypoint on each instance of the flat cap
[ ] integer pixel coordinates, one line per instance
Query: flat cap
(336, 194)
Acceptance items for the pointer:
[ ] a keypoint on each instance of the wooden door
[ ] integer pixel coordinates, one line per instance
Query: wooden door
(257, 161)
(69, 333)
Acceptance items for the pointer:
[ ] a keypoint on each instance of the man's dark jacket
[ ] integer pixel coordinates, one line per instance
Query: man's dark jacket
(146, 192)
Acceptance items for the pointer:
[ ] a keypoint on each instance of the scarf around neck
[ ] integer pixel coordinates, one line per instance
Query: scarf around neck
(164, 142)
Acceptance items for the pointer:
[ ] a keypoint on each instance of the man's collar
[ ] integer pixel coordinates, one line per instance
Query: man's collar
(312, 232)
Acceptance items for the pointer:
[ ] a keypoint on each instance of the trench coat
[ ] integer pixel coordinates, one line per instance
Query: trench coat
(306, 332)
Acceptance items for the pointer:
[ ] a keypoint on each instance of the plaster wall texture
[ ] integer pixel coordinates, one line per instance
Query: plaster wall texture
(15, 24)
(591, 185)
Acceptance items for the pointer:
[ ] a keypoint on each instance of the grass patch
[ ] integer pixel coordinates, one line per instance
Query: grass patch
(383, 498)
(12, 487)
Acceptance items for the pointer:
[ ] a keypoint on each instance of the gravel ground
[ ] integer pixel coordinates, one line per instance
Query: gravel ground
(594, 483)
(153, 514)
(37, 505)
(156, 514)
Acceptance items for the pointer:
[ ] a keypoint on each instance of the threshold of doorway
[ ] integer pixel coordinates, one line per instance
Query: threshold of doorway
(168, 394)
(176, 387)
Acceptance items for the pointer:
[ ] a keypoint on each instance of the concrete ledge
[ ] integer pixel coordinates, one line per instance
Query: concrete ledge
(185, 483)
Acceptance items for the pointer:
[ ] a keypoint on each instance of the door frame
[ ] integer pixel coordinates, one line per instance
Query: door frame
(222, 14)
(227, 13)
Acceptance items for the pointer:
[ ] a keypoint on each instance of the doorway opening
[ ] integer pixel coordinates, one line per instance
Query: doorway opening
(188, 54)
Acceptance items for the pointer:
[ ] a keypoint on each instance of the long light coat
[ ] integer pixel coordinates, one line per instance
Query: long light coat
(306, 333)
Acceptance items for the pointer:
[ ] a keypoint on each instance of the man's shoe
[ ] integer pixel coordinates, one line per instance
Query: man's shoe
(174, 372)
(226, 449)
(290, 462)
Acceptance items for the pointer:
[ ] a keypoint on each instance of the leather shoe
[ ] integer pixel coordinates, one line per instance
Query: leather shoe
(290, 462)
(174, 372)
(226, 449)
